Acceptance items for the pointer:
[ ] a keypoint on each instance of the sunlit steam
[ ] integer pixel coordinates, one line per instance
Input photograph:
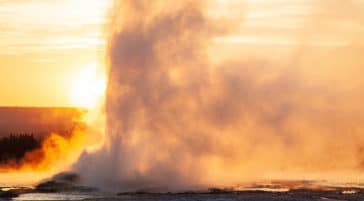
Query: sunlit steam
(185, 110)
(59, 151)
(56, 154)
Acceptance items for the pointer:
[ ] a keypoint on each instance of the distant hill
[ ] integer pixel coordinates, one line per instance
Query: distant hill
(38, 121)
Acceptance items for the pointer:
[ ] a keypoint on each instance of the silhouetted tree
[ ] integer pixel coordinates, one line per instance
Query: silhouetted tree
(14, 147)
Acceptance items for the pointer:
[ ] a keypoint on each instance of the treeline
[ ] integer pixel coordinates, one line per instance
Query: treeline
(15, 146)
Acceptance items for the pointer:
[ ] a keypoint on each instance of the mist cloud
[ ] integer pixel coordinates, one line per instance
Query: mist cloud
(177, 119)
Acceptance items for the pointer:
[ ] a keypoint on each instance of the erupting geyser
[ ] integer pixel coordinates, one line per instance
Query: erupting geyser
(179, 118)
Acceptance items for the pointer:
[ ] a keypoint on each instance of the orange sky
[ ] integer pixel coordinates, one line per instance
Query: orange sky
(45, 44)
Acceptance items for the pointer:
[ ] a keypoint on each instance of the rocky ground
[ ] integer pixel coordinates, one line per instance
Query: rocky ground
(293, 195)
(66, 184)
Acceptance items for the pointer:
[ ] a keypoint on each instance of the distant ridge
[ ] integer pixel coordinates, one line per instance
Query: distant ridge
(39, 121)
(43, 107)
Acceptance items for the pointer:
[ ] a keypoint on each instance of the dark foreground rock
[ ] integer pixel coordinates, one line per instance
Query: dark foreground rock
(63, 182)
(13, 192)
(57, 186)
(8, 194)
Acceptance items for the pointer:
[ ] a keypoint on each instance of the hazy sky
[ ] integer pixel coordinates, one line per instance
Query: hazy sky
(45, 44)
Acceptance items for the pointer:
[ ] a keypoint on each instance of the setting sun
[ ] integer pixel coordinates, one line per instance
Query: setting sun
(87, 88)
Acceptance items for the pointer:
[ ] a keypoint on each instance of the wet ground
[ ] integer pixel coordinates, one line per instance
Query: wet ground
(293, 195)
(64, 187)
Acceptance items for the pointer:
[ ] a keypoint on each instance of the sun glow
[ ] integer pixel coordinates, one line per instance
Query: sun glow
(87, 88)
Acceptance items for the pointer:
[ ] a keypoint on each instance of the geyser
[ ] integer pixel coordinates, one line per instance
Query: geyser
(179, 118)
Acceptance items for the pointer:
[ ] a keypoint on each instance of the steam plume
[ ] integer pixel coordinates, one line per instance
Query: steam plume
(179, 118)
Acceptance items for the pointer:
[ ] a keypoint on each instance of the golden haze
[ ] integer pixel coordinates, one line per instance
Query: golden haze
(276, 93)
